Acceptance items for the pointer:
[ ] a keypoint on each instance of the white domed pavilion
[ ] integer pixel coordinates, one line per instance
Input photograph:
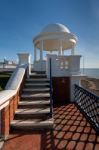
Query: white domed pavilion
(57, 38)
(53, 37)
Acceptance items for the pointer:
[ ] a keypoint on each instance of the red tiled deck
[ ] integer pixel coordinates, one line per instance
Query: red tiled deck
(71, 132)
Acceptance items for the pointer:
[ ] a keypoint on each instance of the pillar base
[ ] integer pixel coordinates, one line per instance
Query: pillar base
(25, 58)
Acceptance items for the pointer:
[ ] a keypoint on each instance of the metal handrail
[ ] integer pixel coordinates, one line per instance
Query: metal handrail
(88, 104)
(51, 89)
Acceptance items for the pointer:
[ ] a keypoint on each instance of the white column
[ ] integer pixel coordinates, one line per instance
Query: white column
(73, 51)
(59, 52)
(41, 54)
(41, 51)
(63, 52)
(60, 48)
(35, 55)
(51, 52)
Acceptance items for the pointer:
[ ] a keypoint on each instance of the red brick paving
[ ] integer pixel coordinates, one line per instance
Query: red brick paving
(80, 146)
(71, 145)
(84, 137)
(89, 146)
(71, 132)
(76, 136)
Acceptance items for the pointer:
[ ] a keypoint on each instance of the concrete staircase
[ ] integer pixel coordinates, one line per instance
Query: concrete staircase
(34, 107)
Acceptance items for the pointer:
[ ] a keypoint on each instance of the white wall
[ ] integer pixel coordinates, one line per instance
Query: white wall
(63, 65)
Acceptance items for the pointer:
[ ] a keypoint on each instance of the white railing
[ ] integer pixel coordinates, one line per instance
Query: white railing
(63, 65)
(16, 78)
(62, 62)
(12, 85)
(9, 98)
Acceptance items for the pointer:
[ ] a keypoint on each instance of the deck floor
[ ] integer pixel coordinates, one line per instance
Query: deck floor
(71, 132)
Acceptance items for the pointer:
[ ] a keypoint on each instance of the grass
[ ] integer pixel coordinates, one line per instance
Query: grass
(4, 77)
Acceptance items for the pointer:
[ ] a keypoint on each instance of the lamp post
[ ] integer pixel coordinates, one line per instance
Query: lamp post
(4, 62)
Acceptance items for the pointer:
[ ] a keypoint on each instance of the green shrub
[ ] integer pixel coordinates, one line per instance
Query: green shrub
(4, 77)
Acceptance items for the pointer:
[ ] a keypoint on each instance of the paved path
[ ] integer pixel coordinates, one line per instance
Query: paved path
(71, 132)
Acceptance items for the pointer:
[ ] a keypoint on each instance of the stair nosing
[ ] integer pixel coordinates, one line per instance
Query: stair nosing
(30, 111)
(34, 102)
(36, 89)
(36, 84)
(31, 75)
(37, 79)
(35, 95)
(30, 123)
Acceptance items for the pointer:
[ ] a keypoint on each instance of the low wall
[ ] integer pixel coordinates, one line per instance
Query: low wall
(63, 65)
(5, 67)
(10, 97)
(7, 114)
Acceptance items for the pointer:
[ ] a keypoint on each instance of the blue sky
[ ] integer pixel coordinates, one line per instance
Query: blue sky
(21, 20)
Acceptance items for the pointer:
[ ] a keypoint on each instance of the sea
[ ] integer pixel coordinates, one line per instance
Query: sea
(91, 72)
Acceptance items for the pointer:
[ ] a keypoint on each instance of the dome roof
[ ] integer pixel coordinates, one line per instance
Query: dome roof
(54, 34)
(57, 27)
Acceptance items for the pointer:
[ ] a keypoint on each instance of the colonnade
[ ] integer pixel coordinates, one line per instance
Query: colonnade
(60, 50)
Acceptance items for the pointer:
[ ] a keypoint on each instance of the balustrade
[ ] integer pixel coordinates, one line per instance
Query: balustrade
(89, 105)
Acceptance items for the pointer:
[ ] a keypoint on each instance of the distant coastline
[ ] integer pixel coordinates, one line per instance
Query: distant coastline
(91, 81)
(91, 72)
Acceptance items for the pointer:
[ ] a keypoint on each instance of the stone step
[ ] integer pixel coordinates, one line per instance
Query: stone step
(34, 75)
(34, 108)
(33, 111)
(32, 124)
(33, 104)
(37, 95)
(36, 89)
(37, 85)
(38, 72)
(35, 99)
(31, 116)
(37, 80)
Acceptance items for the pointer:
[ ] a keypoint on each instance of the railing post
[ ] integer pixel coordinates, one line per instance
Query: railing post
(51, 99)
(25, 58)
